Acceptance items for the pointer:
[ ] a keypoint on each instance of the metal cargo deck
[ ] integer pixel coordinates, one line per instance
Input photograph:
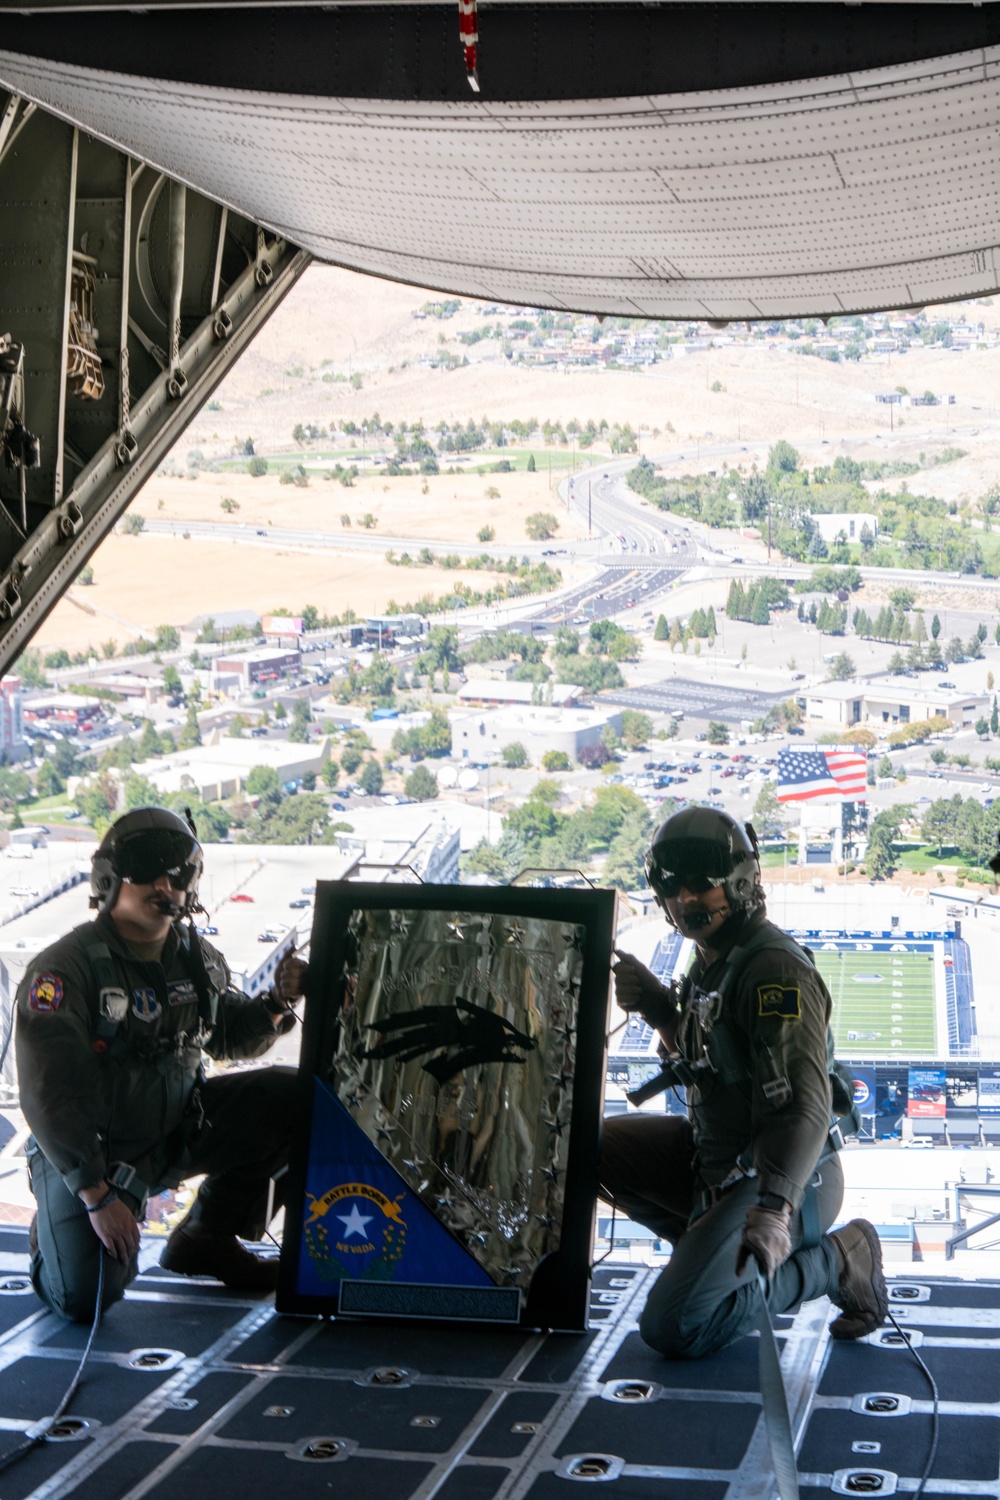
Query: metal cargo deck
(191, 1391)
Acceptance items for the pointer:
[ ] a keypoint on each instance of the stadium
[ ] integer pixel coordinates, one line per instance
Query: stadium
(902, 968)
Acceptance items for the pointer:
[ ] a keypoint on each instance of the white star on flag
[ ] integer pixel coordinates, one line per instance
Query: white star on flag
(355, 1222)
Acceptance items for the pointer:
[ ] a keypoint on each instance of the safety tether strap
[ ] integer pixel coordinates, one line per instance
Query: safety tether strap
(775, 1400)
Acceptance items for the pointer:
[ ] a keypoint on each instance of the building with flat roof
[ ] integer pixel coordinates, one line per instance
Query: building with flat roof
(219, 770)
(891, 700)
(263, 664)
(482, 735)
(482, 692)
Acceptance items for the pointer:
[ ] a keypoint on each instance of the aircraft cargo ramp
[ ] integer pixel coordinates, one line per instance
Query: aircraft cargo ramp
(190, 1391)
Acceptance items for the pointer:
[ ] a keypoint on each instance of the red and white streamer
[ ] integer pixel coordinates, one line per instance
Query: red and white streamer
(468, 31)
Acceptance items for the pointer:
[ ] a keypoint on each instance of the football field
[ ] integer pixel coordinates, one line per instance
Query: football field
(883, 1003)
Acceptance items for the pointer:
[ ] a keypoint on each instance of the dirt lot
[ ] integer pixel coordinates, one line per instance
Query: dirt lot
(147, 581)
(454, 508)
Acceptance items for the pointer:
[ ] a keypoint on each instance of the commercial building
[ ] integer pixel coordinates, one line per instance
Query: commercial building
(70, 710)
(12, 743)
(482, 736)
(263, 664)
(220, 770)
(891, 701)
(481, 692)
(383, 631)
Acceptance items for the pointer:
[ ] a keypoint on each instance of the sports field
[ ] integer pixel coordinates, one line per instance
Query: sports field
(883, 1003)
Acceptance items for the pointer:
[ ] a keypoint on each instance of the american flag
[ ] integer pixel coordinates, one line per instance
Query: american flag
(822, 773)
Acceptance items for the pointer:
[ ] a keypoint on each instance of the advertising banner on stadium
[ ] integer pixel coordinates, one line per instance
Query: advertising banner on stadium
(989, 1091)
(864, 1090)
(927, 1093)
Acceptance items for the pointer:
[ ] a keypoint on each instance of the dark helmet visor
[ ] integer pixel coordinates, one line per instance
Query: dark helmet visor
(160, 851)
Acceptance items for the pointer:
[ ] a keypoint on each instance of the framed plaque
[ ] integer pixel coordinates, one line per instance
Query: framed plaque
(451, 1090)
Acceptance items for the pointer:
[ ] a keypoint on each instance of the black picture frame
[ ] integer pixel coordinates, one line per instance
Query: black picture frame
(554, 1294)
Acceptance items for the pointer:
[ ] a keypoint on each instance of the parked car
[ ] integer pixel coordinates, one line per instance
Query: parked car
(299, 903)
(241, 896)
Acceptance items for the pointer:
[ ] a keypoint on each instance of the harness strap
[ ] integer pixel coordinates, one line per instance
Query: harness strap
(775, 1400)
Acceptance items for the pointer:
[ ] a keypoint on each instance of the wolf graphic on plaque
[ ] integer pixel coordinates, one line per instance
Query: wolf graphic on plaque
(445, 1112)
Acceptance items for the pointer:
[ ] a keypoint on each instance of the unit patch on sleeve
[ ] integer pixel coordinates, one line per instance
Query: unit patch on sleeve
(781, 1001)
(45, 995)
(145, 1005)
(181, 992)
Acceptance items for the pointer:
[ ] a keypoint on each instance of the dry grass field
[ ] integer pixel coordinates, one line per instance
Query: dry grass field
(336, 324)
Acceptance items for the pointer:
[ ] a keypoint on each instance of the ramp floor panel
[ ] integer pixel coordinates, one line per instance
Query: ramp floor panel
(191, 1392)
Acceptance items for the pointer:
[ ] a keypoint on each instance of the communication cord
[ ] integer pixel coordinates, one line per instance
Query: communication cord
(935, 1414)
(38, 1439)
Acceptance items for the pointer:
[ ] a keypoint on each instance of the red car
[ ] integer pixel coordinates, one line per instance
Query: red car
(241, 896)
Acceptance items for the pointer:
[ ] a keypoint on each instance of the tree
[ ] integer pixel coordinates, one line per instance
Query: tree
(171, 681)
(662, 631)
(717, 734)
(541, 525)
(530, 465)
(351, 759)
(485, 534)
(48, 782)
(880, 859)
(262, 782)
(298, 730)
(994, 717)
(257, 466)
(768, 812)
(555, 760)
(593, 757)
(237, 727)
(371, 777)
(982, 727)
(782, 459)
(168, 638)
(637, 728)
(133, 524)
(421, 784)
(841, 669)
(514, 755)
(190, 735)
(940, 821)
(148, 744)
(935, 627)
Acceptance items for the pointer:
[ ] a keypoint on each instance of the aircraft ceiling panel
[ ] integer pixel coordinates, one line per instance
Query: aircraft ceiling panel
(878, 189)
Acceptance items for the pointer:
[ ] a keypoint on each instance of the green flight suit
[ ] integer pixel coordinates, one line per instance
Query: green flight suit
(110, 1074)
(758, 1122)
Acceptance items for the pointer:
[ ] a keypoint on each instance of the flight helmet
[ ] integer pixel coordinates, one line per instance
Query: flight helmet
(139, 847)
(702, 848)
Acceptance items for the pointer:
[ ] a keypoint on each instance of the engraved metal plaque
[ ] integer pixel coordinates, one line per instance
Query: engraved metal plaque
(461, 1033)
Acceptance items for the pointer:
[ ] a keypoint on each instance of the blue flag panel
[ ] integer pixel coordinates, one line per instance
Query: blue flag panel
(362, 1222)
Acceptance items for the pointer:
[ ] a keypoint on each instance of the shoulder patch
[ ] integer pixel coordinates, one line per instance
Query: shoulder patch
(782, 1001)
(46, 994)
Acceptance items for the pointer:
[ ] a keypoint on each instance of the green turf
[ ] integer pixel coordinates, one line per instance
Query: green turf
(900, 1008)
